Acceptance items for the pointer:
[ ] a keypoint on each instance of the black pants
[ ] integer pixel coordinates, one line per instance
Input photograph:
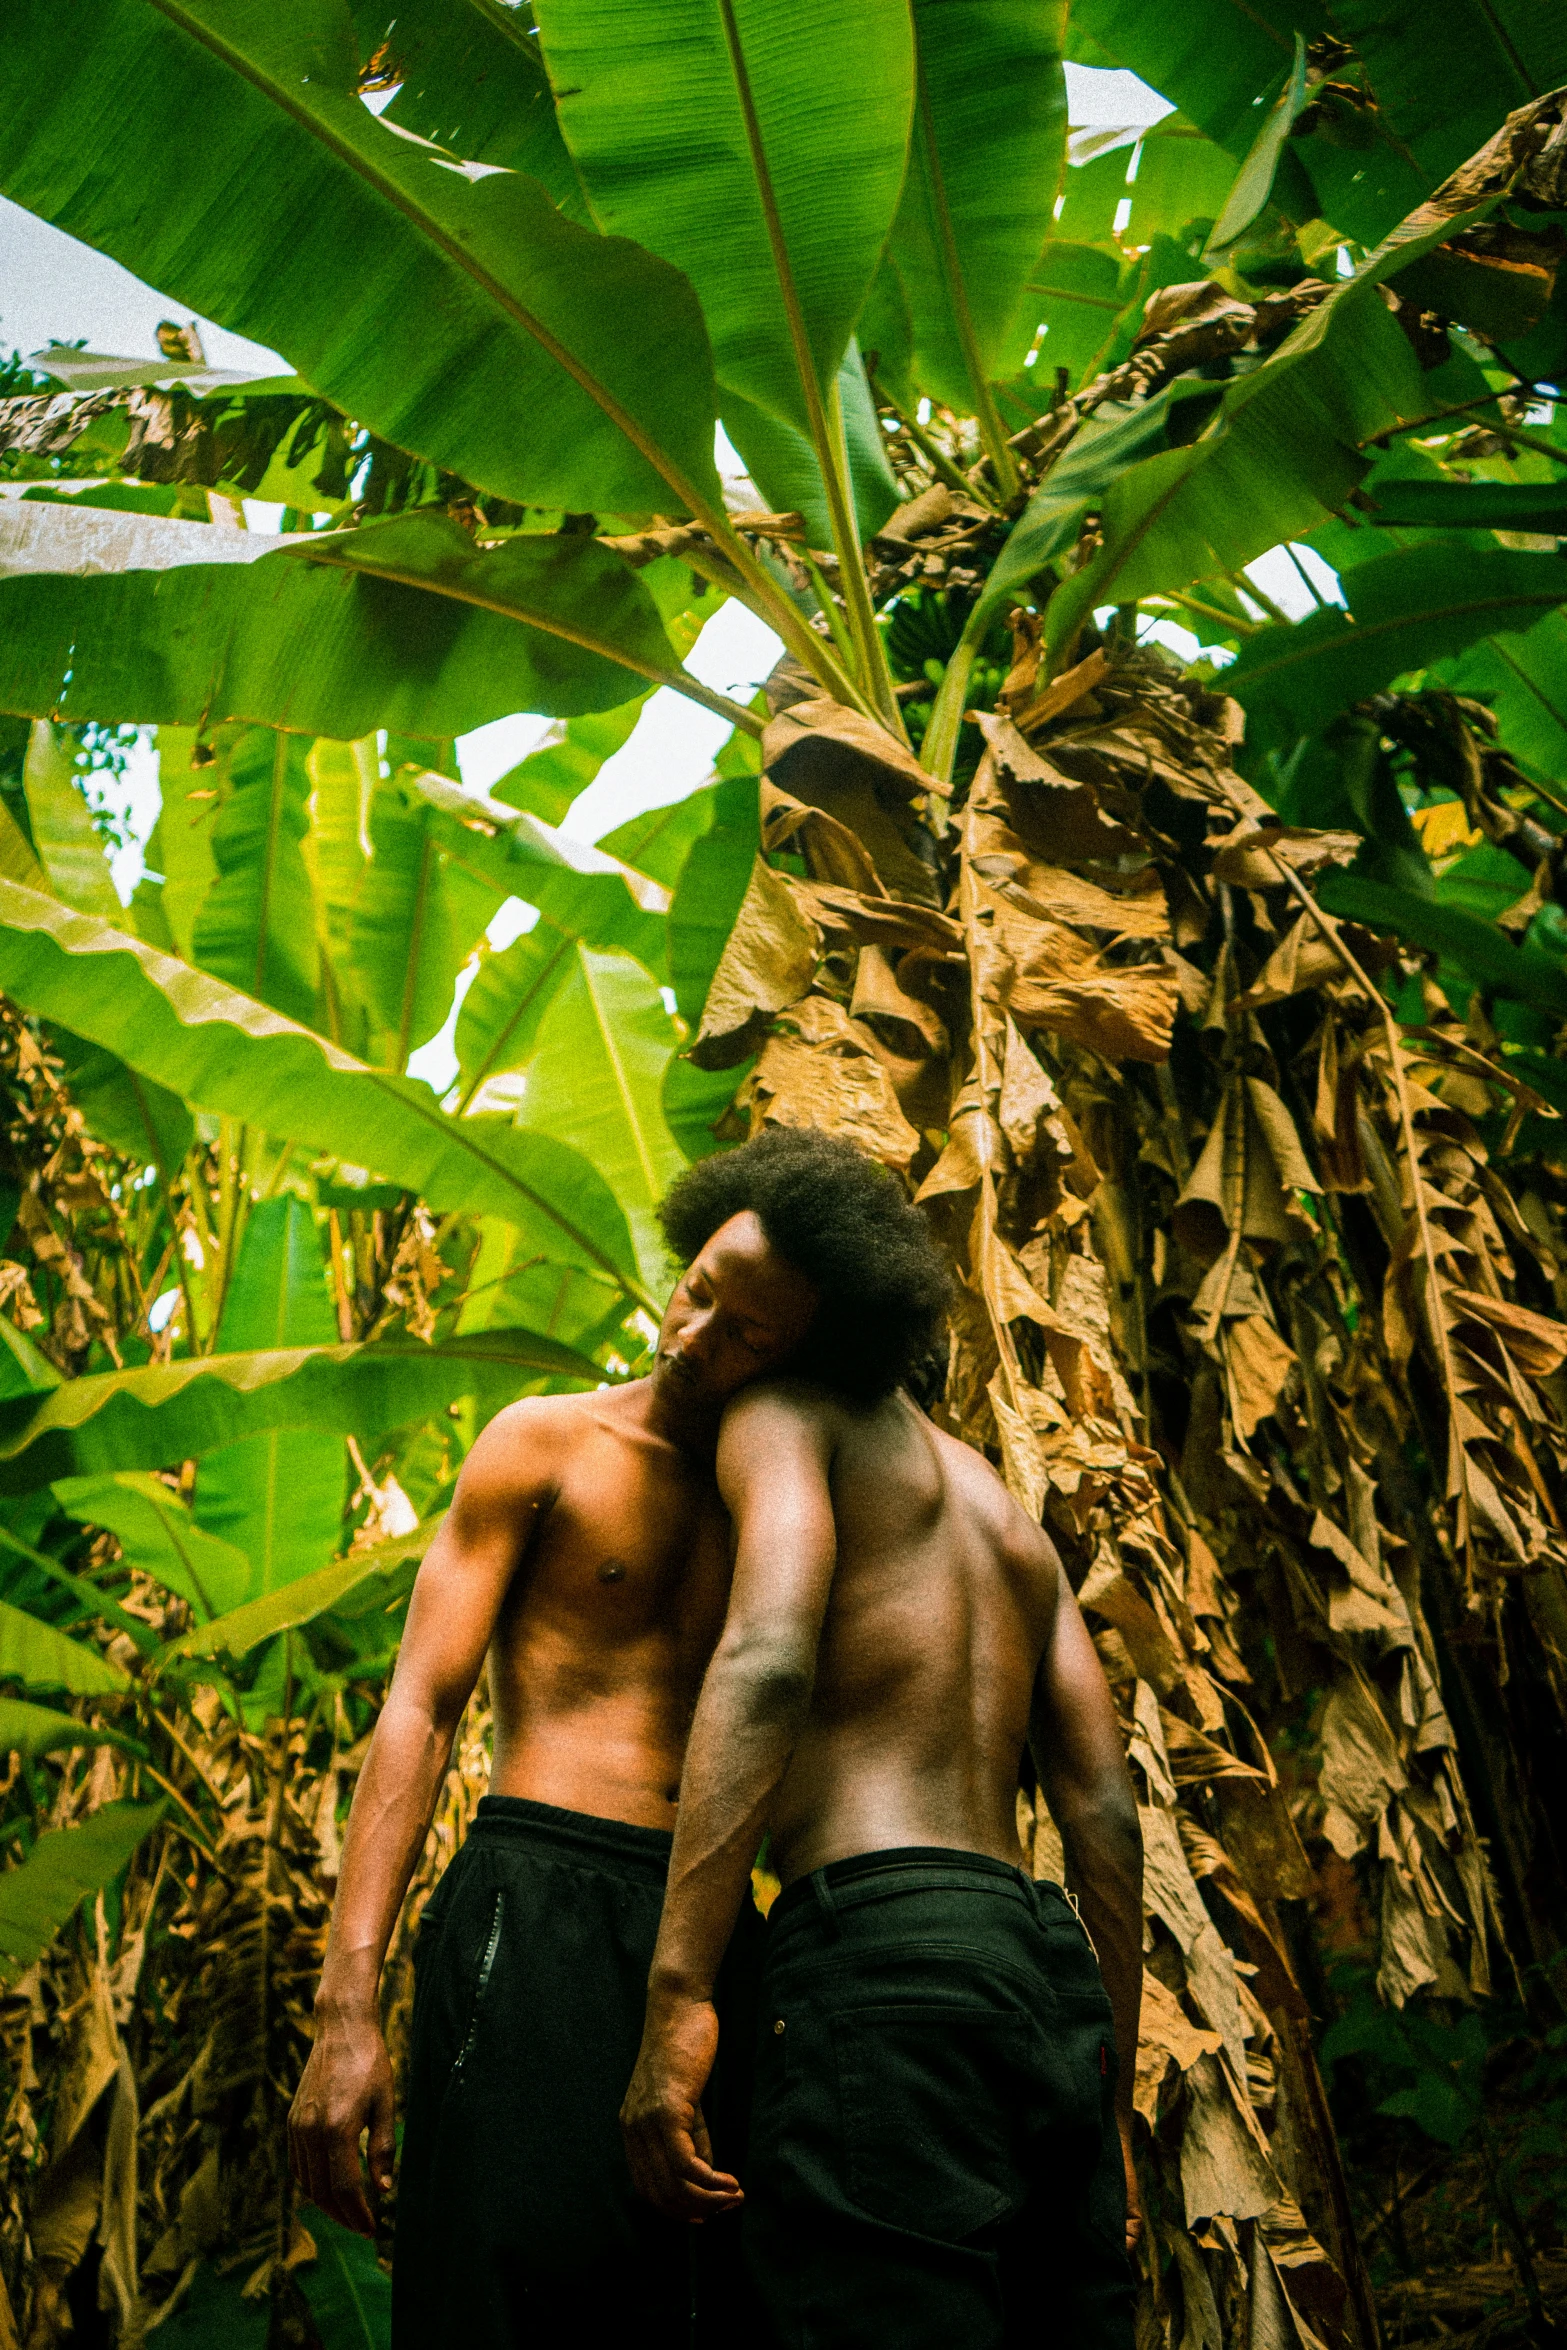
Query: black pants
(934, 2163)
(516, 2224)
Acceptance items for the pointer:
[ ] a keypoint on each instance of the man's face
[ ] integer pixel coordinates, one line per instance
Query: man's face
(738, 1312)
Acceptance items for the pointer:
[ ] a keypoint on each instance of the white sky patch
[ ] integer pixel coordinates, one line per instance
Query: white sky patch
(53, 289)
(1095, 95)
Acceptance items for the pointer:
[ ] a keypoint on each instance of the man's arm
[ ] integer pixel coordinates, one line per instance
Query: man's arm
(1078, 1755)
(347, 2083)
(774, 1461)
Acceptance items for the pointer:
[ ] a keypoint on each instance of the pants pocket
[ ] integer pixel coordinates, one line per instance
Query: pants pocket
(929, 2096)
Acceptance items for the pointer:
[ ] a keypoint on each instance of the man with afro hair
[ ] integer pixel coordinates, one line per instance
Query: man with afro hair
(586, 1557)
(939, 2142)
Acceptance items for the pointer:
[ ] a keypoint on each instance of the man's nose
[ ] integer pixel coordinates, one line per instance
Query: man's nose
(694, 1340)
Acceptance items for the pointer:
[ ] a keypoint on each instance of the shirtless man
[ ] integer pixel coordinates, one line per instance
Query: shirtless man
(940, 2139)
(588, 1553)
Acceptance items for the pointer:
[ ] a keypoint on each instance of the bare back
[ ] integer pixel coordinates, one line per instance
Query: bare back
(942, 1602)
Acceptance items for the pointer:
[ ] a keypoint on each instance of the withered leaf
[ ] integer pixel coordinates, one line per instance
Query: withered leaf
(768, 962)
(820, 1068)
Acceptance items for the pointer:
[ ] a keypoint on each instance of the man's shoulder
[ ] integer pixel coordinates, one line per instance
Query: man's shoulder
(529, 1436)
(783, 1397)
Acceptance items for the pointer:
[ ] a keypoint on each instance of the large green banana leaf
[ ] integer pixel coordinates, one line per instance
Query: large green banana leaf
(579, 889)
(784, 466)
(375, 1577)
(457, 312)
(1409, 609)
(180, 843)
(130, 1112)
(595, 1074)
(510, 993)
(1284, 447)
(278, 1497)
(225, 1052)
(256, 926)
(38, 1656)
(985, 168)
(63, 836)
(158, 1536)
(1524, 680)
(469, 75)
(1444, 83)
(760, 150)
(62, 1869)
(403, 624)
(713, 882)
(418, 915)
(168, 1412)
(550, 778)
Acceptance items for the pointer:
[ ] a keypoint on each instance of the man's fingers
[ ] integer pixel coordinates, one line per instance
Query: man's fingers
(345, 2183)
(383, 2138)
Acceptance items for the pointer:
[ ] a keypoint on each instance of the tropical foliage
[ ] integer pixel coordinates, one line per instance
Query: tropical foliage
(1190, 935)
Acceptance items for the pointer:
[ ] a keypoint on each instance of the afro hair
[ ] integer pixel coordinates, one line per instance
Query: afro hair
(847, 1224)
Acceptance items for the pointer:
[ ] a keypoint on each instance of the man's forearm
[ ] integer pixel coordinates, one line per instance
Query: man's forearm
(1104, 1866)
(748, 1719)
(387, 1825)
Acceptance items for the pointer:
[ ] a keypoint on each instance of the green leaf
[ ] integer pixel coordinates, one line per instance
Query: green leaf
(783, 465)
(131, 1113)
(277, 1498)
(1485, 953)
(23, 1370)
(1444, 83)
(345, 778)
(418, 917)
(349, 2293)
(373, 1578)
(159, 1537)
(547, 781)
(180, 845)
(257, 924)
(62, 1869)
(1410, 608)
(63, 835)
(166, 1412)
(985, 167)
(510, 994)
(436, 305)
(114, 618)
(473, 80)
(1472, 505)
(713, 883)
(564, 584)
(1076, 290)
(720, 138)
(659, 841)
(1524, 679)
(1213, 57)
(579, 889)
(595, 1074)
(38, 1656)
(215, 2315)
(33, 1730)
(695, 1100)
(1181, 177)
(1284, 447)
(225, 1052)
(1254, 181)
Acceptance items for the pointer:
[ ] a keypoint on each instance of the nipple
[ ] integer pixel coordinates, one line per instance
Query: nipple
(612, 1572)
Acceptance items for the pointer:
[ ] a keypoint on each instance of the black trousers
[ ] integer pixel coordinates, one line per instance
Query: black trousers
(516, 2224)
(933, 2156)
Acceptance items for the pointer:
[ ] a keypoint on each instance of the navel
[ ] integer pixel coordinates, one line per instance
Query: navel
(612, 1572)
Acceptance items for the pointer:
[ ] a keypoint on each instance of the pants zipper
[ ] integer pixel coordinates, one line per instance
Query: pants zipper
(486, 1963)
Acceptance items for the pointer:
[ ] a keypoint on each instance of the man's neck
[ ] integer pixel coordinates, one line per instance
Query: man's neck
(660, 1409)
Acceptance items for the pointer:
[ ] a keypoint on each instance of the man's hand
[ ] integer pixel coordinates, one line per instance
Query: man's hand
(667, 2145)
(1134, 2205)
(347, 2086)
